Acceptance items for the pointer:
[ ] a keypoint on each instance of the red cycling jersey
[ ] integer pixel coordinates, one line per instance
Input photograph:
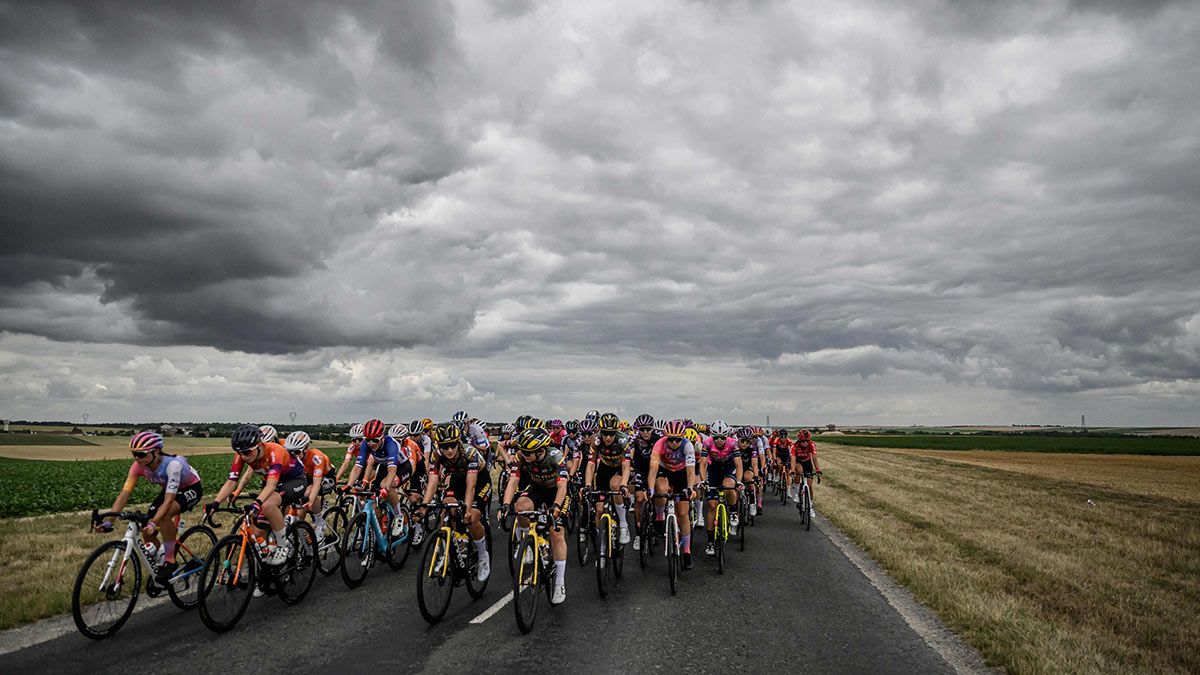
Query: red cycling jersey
(804, 450)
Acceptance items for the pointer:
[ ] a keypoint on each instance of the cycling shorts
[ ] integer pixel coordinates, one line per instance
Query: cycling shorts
(676, 479)
(718, 472)
(291, 491)
(483, 489)
(806, 465)
(187, 498)
(604, 475)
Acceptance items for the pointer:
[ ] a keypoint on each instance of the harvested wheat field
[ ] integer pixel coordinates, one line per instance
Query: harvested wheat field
(1172, 477)
(1020, 564)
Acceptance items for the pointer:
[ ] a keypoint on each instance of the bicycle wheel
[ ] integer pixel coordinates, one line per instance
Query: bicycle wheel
(720, 535)
(783, 492)
(329, 547)
(618, 558)
(358, 551)
(295, 577)
(526, 583)
(106, 589)
(513, 542)
(398, 547)
(672, 555)
(805, 505)
(643, 533)
(193, 547)
(583, 539)
(604, 552)
(475, 587)
(227, 582)
(746, 520)
(435, 579)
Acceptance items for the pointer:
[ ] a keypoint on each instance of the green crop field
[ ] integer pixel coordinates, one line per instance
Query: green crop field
(42, 439)
(1130, 445)
(31, 487)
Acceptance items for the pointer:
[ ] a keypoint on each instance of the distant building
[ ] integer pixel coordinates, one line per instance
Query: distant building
(167, 430)
(831, 427)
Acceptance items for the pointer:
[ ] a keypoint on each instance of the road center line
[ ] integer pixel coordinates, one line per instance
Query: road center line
(487, 614)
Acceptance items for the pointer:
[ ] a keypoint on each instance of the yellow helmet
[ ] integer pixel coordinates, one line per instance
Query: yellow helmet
(702, 428)
(691, 435)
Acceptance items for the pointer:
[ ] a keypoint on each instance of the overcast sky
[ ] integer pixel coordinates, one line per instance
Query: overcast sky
(823, 212)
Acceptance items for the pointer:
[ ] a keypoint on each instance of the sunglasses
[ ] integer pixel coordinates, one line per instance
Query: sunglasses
(140, 454)
(447, 446)
(719, 438)
(374, 441)
(645, 429)
(527, 451)
(608, 433)
(246, 451)
(674, 439)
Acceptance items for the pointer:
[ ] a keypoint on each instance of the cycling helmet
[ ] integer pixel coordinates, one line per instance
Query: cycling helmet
(782, 433)
(398, 430)
(356, 432)
(660, 425)
(297, 442)
(587, 426)
(804, 435)
(572, 426)
(692, 435)
(373, 429)
(447, 432)
(555, 424)
(460, 417)
(508, 429)
(593, 415)
(608, 422)
(643, 420)
(426, 424)
(533, 439)
(624, 425)
(534, 423)
(745, 433)
(268, 433)
(245, 437)
(688, 423)
(415, 428)
(702, 428)
(146, 440)
(674, 429)
(720, 428)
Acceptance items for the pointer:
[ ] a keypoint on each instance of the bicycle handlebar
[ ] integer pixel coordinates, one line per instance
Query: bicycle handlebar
(136, 516)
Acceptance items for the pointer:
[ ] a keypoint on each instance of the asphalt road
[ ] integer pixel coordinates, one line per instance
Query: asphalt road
(791, 601)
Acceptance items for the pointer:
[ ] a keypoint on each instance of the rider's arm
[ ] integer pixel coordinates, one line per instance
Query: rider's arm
(435, 479)
(653, 471)
(590, 472)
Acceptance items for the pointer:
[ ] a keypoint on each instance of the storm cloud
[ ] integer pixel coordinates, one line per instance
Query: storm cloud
(848, 210)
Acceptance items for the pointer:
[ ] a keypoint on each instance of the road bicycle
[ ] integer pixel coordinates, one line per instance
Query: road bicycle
(805, 502)
(721, 524)
(535, 568)
(370, 537)
(450, 560)
(671, 542)
(646, 533)
(585, 528)
(235, 567)
(107, 586)
(610, 553)
(745, 508)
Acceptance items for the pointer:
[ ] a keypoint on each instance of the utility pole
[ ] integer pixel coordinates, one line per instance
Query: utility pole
(1083, 422)
(768, 420)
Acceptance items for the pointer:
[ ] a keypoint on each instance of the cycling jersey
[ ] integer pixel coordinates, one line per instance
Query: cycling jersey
(718, 453)
(610, 455)
(387, 453)
(474, 435)
(571, 448)
(678, 459)
(315, 464)
(413, 450)
(557, 436)
(173, 473)
(273, 462)
(781, 446)
(468, 461)
(804, 450)
(352, 450)
(549, 471)
(748, 454)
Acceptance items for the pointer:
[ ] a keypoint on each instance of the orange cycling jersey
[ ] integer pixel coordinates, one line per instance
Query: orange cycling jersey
(413, 448)
(273, 462)
(316, 463)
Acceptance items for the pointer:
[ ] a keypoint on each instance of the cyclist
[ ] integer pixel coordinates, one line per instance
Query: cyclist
(609, 467)
(316, 473)
(181, 491)
(691, 436)
(393, 467)
(750, 462)
(720, 468)
(781, 447)
(351, 451)
(541, 468)
(464, 472)
(473, 432)
(641, 447)
(416, 482)
(283, 484)
(676, 457)
(804, 461)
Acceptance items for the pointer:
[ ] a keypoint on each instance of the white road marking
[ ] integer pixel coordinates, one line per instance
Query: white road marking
(493, 609)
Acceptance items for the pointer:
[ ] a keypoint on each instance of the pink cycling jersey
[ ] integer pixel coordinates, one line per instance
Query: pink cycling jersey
(677, 459)
(719, 453)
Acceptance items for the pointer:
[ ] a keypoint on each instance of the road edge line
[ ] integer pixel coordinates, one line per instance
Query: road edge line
(491, 611)
(54, 627)
(956, 652)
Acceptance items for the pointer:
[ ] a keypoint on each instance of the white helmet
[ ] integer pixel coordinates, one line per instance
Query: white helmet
(356, 432)
(268, 433)
(399, 430)
(719, 428)
(297, 441)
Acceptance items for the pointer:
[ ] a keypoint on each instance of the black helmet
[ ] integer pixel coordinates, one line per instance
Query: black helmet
(415, 428)
(245, 437)
(609, 422)
(447, 432)
(643, 420)
(572, 427)
(533, 439)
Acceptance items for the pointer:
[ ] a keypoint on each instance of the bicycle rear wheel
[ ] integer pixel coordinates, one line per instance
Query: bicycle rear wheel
(398, 547)
(526, 582)
(227, 582)
(295, 577)
(105, 591)
(583, 538)
(435, 579)
(329, 546)
(475, 587)
(358, 551)
(672, 555)
(190, 552)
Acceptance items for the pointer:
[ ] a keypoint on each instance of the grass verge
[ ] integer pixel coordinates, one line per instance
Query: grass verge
(1125, 445)
(1022, 567)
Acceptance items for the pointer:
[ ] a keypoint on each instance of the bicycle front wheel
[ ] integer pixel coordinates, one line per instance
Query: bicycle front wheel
(193, 548)
(526, 582)
(435, 579)
(746, 521)
(329, 544)
(720, 534)
(805, 506)
(475, 587)
(604, 551)
(227, 582)
(105, 591)
(295, 577)
(673, 563)
(358, 551)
